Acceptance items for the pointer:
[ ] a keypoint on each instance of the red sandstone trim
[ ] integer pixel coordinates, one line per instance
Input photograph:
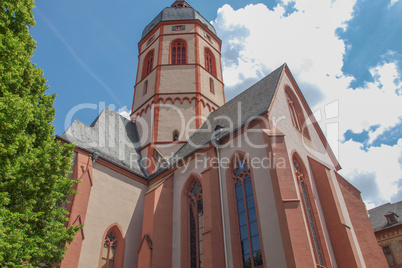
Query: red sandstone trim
(314, 121)
(185, 222)
(120, 248)
(157, 99)
(79, 205)
(323, 245)
(166, 23)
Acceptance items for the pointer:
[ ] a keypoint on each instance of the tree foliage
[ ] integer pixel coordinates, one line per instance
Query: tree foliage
(33, 167)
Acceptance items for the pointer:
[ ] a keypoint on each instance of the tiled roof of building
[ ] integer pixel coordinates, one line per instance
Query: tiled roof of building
(377, 216)
(116, 139)
(113, 137)
(233, 115)
(172, 14)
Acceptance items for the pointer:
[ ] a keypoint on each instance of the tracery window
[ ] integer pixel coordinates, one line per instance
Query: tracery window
(296, 112)
(178, 52)
(247, 215)
(109, 251)
(307, 206)
(293, 113)
(196, 226)
(148, 64)
(209, 61)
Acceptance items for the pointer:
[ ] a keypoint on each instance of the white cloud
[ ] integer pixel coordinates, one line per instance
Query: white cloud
(393, 2)
(259, 40)
(305, 39)
(123, 111)
(380, 161)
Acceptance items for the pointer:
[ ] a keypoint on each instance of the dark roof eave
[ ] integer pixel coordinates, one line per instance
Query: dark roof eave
(103, 158)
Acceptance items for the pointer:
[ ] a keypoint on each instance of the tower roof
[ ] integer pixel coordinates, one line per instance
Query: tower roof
(181, 11)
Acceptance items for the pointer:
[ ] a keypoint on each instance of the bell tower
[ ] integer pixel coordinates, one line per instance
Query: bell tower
(179, 80)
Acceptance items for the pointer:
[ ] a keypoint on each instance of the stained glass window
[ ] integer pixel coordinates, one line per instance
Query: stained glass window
(247, 215)
(109, 251)
(307, 206)
(196, 226)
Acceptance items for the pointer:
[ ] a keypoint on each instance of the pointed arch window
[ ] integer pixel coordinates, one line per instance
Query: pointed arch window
(211, 86)
(299, 172)
(145, 89)
(196, 225)
(148, 64)
(296, 112)
(175, 135)
(109, 250)
(247, 215)
(210, 61)
(178, 52)
(112, 250)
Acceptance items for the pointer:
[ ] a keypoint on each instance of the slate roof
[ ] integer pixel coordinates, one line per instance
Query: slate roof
(172, 13)
(116, 139)
(244, 108)
(377, 216)
(113, 137)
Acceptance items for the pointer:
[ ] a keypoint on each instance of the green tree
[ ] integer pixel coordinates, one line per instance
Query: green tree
(33, 167)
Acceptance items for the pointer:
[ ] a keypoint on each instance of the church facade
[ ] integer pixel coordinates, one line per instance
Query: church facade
(194, 181)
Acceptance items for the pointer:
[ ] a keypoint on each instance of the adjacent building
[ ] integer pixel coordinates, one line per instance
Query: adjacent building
(194, 181)
(388, 230)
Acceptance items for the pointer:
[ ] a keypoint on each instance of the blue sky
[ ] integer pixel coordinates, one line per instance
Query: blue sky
(346, 56)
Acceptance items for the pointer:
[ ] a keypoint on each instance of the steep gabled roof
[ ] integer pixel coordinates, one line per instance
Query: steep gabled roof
(230, 117)
(113, 137)
(377, 215)
(116, 139)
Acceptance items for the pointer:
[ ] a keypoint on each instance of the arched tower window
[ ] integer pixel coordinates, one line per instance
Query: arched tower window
(148, 64)
(210, 61)
(211, 85)
(145, 89)
(178, 52)
(175, 135)
(196, 225)
(300, 170)
(296, 112)
(247, 214)
(112, 252)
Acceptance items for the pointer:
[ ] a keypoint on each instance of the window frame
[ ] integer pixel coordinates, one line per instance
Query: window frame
(173, 58)
(120, 245)
(233, 212)
(209, 61)
(148, 63)
(211, 85)
(176, 134)
(296, 112)
(312, 218)
(145, 88)
(391, 218)
(186, 200)
(390, 254)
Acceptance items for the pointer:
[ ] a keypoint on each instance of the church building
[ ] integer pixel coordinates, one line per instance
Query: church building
(194, 181)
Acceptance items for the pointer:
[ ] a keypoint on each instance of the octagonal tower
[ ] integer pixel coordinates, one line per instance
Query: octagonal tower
(179, 79)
